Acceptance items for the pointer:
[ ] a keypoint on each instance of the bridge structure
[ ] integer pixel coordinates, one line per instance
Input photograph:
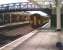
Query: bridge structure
(23, 6)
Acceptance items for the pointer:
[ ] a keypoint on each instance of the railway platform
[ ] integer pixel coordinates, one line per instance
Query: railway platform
(36, 40)
(14, 24)
(41, 41)
(42, 38)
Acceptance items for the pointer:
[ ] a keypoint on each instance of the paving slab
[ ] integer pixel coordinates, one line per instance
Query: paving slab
(41, 41)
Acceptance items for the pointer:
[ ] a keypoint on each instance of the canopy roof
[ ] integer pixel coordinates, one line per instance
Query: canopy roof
(38, 12)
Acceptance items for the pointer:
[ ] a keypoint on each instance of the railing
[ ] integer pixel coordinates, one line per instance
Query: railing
(20, 6)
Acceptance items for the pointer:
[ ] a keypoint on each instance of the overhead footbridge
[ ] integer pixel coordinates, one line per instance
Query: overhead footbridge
(23, 6)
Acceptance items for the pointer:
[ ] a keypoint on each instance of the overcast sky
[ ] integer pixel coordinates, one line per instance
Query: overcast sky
(11, 1)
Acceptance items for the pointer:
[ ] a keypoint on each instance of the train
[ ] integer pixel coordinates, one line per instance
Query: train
(10, 22)
(36, 20)
(7, 19)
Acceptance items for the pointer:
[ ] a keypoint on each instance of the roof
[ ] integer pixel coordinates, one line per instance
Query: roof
(38, 12)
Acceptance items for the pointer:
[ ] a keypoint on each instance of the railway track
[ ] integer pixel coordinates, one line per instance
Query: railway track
(19, 31)
(10, 34)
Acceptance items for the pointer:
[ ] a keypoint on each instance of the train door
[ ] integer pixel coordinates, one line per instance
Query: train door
(31, 20)
(34, 20)
(6, 18)
(1, 19)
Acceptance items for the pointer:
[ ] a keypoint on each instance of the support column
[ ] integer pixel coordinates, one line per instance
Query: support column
(3, 18)
(58, 13)
(10, 18)
(34, 20)
(49, 26)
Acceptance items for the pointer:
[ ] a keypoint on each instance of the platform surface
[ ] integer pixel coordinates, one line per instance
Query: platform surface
(41, 41)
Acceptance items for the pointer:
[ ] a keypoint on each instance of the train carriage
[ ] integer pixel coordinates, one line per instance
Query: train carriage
(36, 20)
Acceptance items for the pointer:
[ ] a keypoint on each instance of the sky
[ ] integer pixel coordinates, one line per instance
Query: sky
(11, 1)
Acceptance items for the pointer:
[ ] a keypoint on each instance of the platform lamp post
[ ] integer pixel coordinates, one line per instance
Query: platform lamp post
(58, 14)
(59, 44)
